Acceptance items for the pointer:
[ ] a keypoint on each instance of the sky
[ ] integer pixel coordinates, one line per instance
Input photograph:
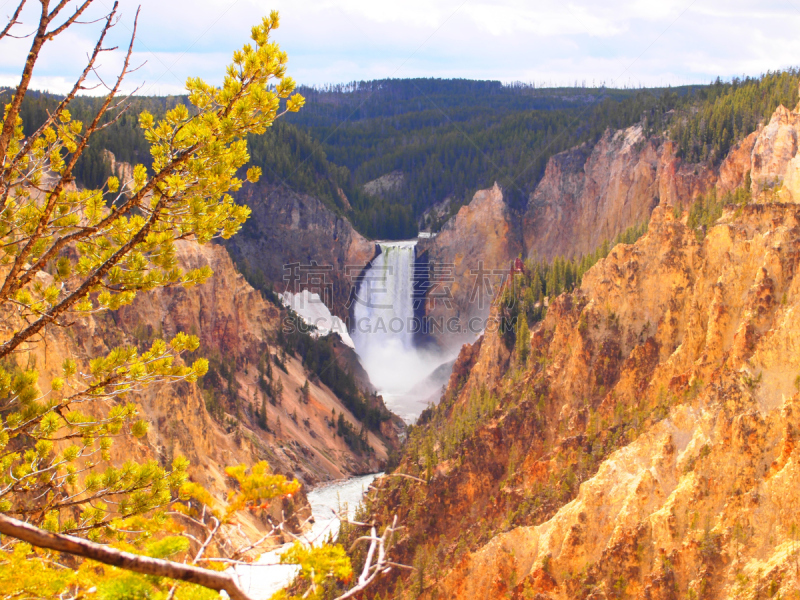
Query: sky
(617, 43)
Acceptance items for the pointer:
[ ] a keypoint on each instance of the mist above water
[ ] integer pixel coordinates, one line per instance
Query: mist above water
(383, 333)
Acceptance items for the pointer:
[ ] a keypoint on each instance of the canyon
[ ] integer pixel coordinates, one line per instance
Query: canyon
(588, 195)
(418, 339)
(238, 326)
(639, 444)
(643, 445)
(591, 194)
(214, 423)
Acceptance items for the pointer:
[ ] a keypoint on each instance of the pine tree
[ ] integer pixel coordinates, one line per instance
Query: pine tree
(523, 339)
(262, 415)
(100, 247)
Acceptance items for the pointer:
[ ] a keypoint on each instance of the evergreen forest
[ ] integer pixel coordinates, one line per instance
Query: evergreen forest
(446, 139)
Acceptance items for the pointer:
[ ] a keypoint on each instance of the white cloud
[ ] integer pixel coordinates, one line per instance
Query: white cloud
(330, 41)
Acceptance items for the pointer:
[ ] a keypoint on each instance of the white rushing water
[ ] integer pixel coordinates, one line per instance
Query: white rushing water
(383, 330)
(261, 580)
(312, 310)
(406, 376)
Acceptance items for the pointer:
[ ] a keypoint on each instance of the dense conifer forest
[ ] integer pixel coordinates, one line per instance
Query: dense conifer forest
(727, 112)
(449, 138)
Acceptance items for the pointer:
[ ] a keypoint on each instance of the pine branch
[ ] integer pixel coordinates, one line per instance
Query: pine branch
(13, 282)
(125, 560)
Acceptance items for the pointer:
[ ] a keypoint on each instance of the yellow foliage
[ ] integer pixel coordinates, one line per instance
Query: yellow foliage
(258, 487)
(316, 565)
(98, 249)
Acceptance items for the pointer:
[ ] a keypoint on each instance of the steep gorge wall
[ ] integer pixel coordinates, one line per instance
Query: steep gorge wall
(237, 326)
(647, 447)
(702, 501)
(466, 259)
(238, 329)
(587, 195)
(590, 194)
(287, 228)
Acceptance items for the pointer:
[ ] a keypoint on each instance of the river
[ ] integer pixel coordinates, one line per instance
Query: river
(407, 377)
(262, 579)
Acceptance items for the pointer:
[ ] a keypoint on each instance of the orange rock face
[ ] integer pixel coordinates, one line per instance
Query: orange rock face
(588, 195)
(673, 411)
(734, 167)
(475, 249)
(647, 447)
(770, 154)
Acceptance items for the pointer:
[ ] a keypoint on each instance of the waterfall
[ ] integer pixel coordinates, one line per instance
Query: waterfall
(383, 328)
(384, 308)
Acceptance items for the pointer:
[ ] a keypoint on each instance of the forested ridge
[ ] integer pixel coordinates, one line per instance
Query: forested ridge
(449, 138)
(706, 131)
(124, 139)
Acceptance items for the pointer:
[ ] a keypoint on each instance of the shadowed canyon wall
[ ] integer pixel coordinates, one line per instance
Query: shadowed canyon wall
(289, 228)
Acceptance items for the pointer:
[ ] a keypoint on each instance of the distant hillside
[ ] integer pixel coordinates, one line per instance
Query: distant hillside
(452, 137)
(449, 138)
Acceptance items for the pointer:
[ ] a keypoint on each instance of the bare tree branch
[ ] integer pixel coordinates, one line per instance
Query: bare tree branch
(71, 20)
(199, 555)
(25, 80)
(14, 280)
(42, 36)
(381, 563)
(13, 283)
(13, 20)
(109, 556)
(68, 98)
(54, 13)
